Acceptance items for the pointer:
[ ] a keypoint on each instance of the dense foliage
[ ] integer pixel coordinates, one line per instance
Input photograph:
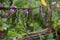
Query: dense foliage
(30, 17)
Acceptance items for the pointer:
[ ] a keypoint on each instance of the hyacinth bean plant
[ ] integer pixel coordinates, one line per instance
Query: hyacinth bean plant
(30, 17)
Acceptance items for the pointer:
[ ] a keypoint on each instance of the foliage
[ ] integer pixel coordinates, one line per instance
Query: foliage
(16, 23)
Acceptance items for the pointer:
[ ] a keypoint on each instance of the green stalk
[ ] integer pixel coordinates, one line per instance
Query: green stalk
(56, 34)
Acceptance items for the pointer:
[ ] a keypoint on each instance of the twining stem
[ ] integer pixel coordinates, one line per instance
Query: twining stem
(56, 34)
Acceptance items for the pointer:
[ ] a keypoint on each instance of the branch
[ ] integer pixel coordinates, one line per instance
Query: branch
(30, 35)
(7, 8)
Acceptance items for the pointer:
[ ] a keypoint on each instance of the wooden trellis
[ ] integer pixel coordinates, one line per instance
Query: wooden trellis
(48, 17)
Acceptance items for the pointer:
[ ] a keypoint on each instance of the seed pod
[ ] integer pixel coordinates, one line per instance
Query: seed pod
(44, 3)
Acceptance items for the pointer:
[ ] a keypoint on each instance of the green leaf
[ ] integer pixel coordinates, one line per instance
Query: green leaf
(50, 36)
(37, 27)
(11, 34)
(54, 16)
(6, 25)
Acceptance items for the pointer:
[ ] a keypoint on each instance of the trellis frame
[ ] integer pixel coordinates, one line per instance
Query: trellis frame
(32, 34)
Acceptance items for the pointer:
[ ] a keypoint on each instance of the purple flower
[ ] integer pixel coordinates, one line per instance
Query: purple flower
(25, 11)
(7, 14)
(14, 38)
(53, 3)
(12, 10)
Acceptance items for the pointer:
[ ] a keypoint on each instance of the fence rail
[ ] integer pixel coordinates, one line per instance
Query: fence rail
(47, 30)
(6, 8)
